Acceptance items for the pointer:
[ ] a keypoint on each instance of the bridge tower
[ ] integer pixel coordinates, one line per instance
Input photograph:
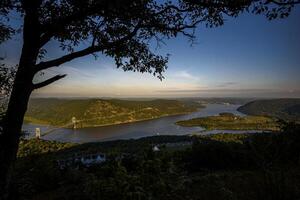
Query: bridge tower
(74, 122)
(38, 133)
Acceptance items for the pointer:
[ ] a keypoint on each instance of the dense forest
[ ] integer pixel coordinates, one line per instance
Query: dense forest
(285, 109)
(216, 167)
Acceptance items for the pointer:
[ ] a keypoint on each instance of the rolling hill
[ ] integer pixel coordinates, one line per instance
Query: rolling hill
(286, 109)
(100, 112)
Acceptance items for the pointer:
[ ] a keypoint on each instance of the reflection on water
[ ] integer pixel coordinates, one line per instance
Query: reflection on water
(161, 126)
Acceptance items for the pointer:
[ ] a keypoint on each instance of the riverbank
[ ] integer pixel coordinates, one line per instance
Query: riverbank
(133, 130)
(99, 112)
(35, 122)
(141, 120)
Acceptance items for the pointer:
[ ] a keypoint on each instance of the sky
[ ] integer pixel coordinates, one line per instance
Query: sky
(247, 57)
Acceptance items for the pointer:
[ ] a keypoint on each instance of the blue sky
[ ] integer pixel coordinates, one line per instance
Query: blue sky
(247, 57)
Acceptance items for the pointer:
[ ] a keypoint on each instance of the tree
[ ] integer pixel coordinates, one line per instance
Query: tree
(7, 75)
(119, 29)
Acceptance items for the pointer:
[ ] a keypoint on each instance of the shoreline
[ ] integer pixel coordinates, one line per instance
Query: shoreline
(114, 124)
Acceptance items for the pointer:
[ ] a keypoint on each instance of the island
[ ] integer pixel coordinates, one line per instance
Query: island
(229, 121)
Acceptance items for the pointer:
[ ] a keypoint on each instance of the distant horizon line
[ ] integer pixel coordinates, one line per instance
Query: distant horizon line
(155, 97)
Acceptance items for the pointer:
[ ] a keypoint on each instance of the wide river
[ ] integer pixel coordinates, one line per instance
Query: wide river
(160, 126)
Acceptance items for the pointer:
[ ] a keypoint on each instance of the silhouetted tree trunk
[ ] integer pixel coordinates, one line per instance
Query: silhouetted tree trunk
(12, 128)
(19, 98)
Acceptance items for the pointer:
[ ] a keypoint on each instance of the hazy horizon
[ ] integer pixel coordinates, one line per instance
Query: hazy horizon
(154, 97)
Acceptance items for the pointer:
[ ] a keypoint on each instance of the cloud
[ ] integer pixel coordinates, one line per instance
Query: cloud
(75, 72)
(184, 75)
(226, 84)
(70, 71)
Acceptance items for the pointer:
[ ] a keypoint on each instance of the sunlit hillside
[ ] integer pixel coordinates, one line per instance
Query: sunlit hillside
(99, 112)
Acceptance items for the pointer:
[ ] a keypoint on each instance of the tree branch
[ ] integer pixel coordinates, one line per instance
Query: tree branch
(48, 81)
(84, 52)
(66, 58)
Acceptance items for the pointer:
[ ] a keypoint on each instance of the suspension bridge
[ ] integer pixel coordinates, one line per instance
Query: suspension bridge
(73, 124)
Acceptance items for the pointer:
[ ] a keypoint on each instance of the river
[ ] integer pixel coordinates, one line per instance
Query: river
(160, 126)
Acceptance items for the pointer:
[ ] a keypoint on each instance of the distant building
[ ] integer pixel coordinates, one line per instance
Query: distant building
(38, 133)
(93, 159)
(178, 144)
(74, 121)
(155, 148)
(85, 160)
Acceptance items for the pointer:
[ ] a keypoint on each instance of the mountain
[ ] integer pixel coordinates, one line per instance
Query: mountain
(286, 109)
(100, 112)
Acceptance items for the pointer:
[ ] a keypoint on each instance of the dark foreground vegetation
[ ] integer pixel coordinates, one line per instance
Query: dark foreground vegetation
(218, 167)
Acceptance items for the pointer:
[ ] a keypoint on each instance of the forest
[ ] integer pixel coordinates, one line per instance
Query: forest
(217, 167)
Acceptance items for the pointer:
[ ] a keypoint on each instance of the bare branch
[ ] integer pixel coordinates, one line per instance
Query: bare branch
(84, 52)
(66, 58)
(48, 81)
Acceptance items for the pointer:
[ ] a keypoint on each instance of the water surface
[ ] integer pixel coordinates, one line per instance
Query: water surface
(161, 126)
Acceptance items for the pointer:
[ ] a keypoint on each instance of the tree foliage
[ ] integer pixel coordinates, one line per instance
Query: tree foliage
(218, 167)
(7, 75)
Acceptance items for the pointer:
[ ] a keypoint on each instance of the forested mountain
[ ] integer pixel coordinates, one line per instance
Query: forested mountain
(99, 112)
(286, 109)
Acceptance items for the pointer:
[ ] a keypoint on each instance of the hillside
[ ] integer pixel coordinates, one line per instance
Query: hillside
(99, 112)
(286, 109)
